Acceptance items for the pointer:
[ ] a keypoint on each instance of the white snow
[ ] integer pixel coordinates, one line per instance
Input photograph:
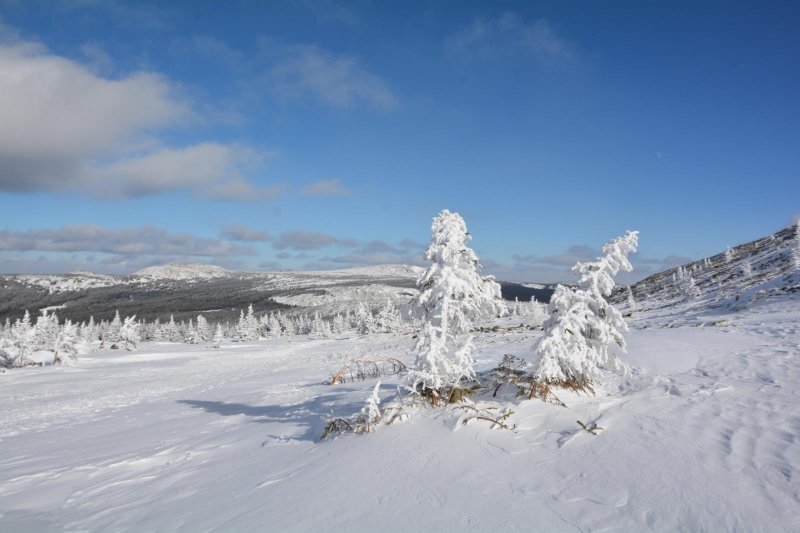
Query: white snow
(182, 271)
(703, 436)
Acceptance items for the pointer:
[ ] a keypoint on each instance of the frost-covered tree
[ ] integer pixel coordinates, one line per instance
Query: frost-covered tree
(66, 351)
(371, 409)
(203, 329)
(452, 294)
(22, 342)
(218, 337)
(110, 336)
(364, 320)
(171, 332)
(582, 324)
(89, 332)
(690, 288)
(248, 325)
(388, 318)
(45, 331)
(129, 334)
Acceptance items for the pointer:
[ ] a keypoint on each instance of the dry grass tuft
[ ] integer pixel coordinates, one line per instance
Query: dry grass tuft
(365, 368)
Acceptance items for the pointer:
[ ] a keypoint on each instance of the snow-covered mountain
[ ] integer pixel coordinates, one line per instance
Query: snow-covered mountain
(764, 269)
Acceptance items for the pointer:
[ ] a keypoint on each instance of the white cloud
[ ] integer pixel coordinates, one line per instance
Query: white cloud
(331, 187)
(66, 128)
(339, 81)
(210, 170)
(141, 241)
(509, 34)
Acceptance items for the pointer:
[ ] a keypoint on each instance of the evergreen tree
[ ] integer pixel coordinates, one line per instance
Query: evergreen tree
(452, 294)
(582, 324)
(110, 336)
(66, 353)
(129, 334)
(218, 336)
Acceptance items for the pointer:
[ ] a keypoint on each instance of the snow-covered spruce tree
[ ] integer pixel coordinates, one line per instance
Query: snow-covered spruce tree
(66, 353)
(582, 325)
(110, 335)
(452, 294)
(218, 337)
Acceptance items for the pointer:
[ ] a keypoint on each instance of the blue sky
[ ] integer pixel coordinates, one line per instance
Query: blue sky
(322, 134)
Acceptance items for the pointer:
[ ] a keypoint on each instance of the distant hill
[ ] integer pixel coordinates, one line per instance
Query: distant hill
(185, 290)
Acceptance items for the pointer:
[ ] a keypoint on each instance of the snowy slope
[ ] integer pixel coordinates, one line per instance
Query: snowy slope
(702, 437)
(764, 269)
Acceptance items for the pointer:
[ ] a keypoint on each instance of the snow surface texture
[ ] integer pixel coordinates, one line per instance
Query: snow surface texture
(702, 437)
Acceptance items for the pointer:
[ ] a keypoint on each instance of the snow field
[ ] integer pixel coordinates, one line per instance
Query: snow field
(703, 436)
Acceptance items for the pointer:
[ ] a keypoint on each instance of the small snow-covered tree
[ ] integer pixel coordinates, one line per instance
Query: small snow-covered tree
(452, 294)
(110, 336)
(129, 334)
(371, 409)
(66, 353)
(203, 329)
(690, 288)
(22, 341)
(364, 320)
(582, 324)
(89, 331)
(248, 325)
(45, 331)
(218, 337)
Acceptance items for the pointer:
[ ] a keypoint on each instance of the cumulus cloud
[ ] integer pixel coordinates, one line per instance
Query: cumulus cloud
(238, 232)
(336, 80)
(141, 241)
(331, 187)
(66, 128)
(507, 34)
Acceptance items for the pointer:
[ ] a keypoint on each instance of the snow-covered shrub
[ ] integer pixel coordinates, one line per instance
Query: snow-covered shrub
(582, 324)
(452, 294)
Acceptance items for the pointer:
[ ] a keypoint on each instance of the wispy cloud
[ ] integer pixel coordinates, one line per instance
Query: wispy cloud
(331, 187)
(509, 34)
(335, 80)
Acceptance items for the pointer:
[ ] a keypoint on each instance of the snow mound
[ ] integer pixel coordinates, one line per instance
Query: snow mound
(182, 271)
